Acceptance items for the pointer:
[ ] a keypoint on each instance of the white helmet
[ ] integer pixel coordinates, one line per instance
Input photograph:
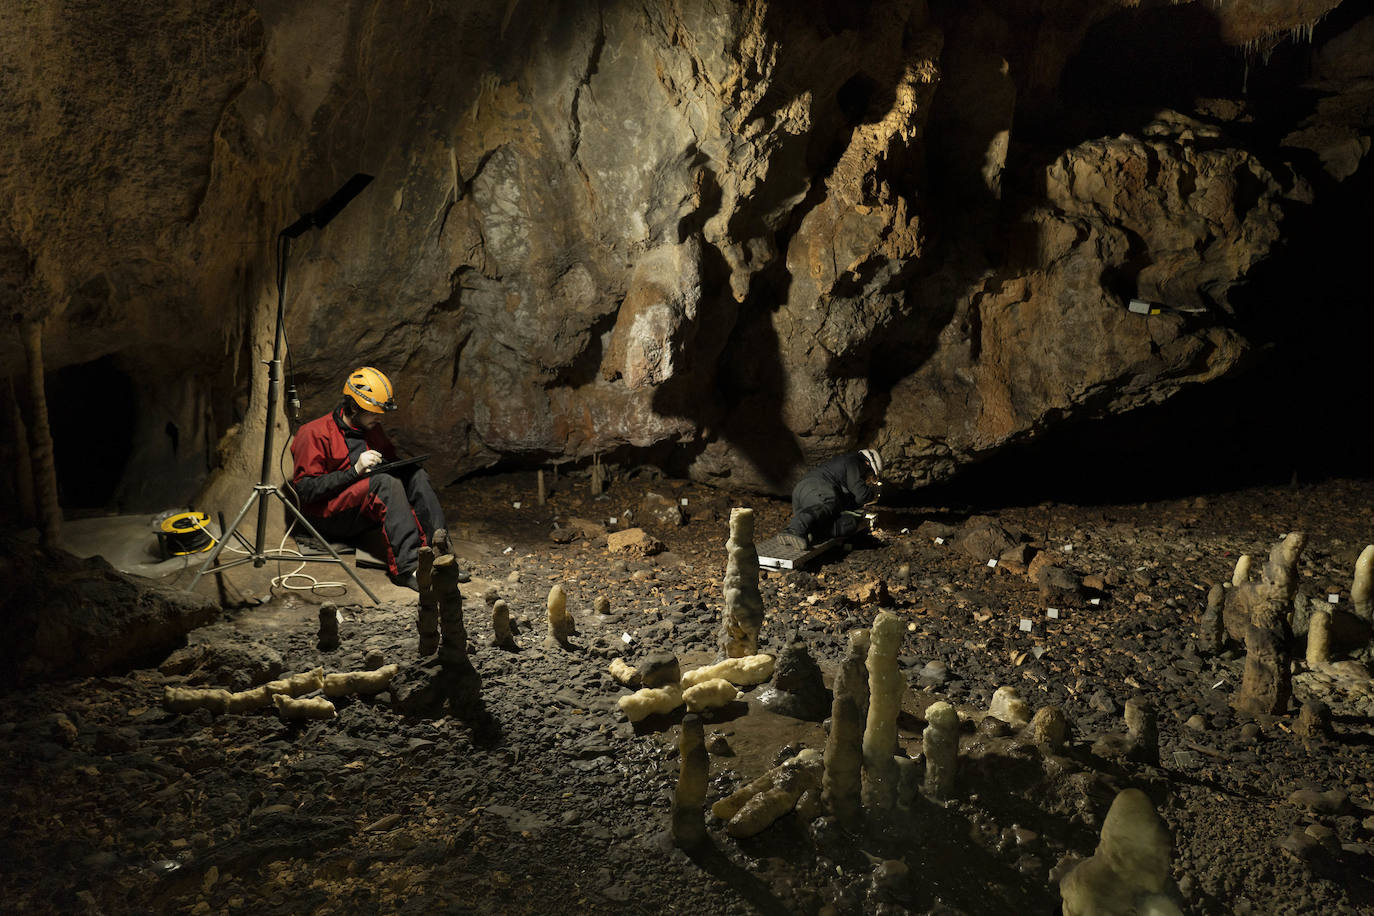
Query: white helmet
(874, 460)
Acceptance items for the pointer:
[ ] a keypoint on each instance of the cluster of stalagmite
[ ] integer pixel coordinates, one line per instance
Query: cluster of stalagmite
(842, 783)
(743, 616)
(755, 806)
(217, 700)
(1266, 684)
(885, 688)
(1129, 871)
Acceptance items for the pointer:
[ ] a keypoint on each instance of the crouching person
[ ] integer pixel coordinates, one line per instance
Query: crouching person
(827, 502)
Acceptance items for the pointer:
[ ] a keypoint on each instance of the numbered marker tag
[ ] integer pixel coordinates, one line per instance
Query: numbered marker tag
(516, 504)
(906, 531)
(508, 550)
(1037, 651)
(1333, 599)
(991, 563)
(1025, 625)
(611, 520)
(683, 501)
(939, 540)
(1094, 601)
(626, 638)
(1068, 548)
(1052, 613)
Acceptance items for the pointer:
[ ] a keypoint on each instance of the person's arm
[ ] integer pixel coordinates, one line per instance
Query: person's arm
(856, 481)
(312, 479)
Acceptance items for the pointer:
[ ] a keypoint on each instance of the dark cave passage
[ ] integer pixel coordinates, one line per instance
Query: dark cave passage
(94, 413)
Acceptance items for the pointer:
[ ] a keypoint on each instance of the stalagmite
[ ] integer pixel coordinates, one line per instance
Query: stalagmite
(742, 672)
(1362, 588)
(1129, 872)
(1144, 730)
(308, 708)
(329, 628)
(427, 622)
(1319, 640)
(625, 674)
(885, 688)
(542, 495)
(189, 699)
(601, 606)
(453, 636)
(710, 694)
(842, 781)
(743, 616)
(649, 701)
(501, 635)
(689, 799)
(366, 683)
(660, 669)
(560, 623)
(40, 439)
(1241, 574)
(1049, 728)
(1008, 706)
(1266, 684)
(1212, 626)
(752, 808)
(940, 744)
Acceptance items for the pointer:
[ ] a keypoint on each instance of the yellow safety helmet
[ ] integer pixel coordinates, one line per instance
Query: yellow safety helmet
(370, 390)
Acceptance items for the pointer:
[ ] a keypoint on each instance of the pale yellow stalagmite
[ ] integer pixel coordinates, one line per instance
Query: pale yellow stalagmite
(1008, 706)
(1362, 588)
(743, 616)
(560, 624)
(650, 700)
(1241, 574)
(688, 825)
(366, 683)
(501, 635)
(842, 780)
(625, 674)
(189, 699)
(1129, 872)
(297, 684)
(308, 708)
(710, 694)
(755, 806)
(742, 672)
(1049, 727)
(940, 744)
(885, 687)
(1319, 640)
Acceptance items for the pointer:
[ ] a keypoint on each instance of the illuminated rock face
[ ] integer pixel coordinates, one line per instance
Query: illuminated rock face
(706, 228)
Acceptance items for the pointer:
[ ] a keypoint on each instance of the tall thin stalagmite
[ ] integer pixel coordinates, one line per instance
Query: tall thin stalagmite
(40, 439)
(743, 616)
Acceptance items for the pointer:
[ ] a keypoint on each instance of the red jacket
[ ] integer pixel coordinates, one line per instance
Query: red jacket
(325, 450)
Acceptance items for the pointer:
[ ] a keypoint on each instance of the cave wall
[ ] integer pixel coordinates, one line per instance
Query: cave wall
(731, 238)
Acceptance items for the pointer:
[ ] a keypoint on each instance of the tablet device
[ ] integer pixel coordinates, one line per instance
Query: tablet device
(388, 466)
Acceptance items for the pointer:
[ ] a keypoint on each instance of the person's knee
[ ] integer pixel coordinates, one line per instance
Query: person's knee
(387, 488)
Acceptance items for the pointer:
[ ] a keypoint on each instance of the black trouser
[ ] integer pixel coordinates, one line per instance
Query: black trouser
(818, 512)
(406, 506)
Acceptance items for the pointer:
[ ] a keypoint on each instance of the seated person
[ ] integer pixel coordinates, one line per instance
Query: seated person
(334, 457)
(826, 502)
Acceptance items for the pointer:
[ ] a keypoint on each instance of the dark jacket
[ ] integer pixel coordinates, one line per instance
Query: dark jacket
(844, 476)
(325, 450)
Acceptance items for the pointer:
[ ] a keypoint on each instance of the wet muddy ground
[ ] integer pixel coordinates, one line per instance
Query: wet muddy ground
(113, 804)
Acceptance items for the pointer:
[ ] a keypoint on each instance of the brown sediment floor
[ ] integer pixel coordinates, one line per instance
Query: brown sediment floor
(113, 805)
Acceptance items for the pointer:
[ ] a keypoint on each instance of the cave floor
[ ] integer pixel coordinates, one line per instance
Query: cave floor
(112, 804)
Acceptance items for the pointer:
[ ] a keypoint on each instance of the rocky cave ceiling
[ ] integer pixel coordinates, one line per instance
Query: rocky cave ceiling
(729, 238)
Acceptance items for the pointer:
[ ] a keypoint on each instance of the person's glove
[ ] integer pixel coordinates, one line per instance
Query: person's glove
(367, 461)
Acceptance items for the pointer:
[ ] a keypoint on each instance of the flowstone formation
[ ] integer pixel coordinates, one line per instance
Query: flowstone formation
(742, 618)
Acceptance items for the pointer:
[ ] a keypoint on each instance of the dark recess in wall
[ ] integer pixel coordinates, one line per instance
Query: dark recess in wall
(1300, 411)
(93, 410)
